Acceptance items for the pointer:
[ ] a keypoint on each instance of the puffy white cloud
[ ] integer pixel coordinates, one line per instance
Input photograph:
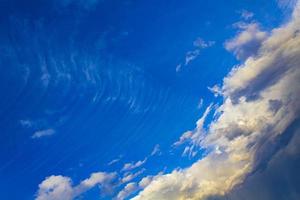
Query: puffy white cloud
(247, 42)
(55, 188)
(104, 180)
(261, 101)
(61, 187)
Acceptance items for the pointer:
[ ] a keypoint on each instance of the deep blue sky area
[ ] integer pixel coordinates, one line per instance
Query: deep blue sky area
(98, 81)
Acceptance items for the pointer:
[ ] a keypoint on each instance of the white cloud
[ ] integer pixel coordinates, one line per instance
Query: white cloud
(156, 150)
(132, 165)
(200, 43)
(192, 137)
(55, 188)
(178, 67)
(145, 181)
(239, 140)
(115, 160)
(129, 176)
(60, 187)
(191, 55)
(43, 133)
(247, 42)
(200, 104)
(99, 178)
(186, 136)
(216, 90)
(127, 190)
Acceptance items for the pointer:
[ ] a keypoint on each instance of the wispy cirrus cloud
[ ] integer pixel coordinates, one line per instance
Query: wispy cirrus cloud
(156, 150)
(43, 133)
(134, 165)
(128, 176)
(127, 191)
(191, 55)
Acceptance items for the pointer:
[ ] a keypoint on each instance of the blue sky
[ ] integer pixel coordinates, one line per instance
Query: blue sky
(98, 95)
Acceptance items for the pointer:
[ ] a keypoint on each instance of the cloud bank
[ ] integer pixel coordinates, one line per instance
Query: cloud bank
(256, 121)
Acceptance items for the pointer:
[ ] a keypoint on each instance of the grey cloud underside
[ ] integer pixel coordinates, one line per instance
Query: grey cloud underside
(269, 76)
(248, 42)
(278, 178)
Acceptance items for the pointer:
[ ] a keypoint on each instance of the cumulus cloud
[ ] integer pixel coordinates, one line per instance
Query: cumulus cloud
(61, 187)
(43, 133)
(247, 42)
(55, 188)
(261, 104)
(280, 179)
